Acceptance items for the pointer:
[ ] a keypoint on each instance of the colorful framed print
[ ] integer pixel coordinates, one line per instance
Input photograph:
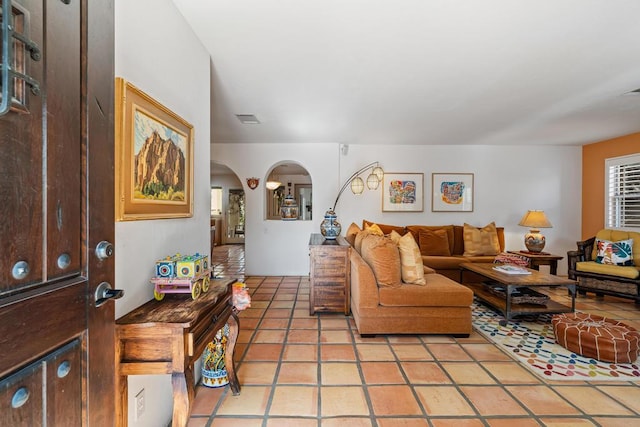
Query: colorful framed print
(452, 192)
(154, 158)
(402, 192)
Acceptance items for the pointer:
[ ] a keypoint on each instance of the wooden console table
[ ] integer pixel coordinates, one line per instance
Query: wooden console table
(167, 337)
(330, 275)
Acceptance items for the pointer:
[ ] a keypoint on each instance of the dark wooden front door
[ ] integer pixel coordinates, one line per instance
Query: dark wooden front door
(56, 206)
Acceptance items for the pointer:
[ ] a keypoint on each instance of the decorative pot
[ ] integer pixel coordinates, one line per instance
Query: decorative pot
(289, 208)
(330, 228)
(214, 371)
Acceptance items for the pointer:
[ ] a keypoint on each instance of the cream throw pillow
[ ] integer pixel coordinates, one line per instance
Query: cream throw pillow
(411, 265)
(481, 241)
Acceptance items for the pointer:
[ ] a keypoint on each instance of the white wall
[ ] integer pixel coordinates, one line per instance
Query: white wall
(157, 52)
(280, 247)
(508, 181)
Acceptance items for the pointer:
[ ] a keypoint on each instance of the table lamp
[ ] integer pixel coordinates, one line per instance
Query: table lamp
(534, 240)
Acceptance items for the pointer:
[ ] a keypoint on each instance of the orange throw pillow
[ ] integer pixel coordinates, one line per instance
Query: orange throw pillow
(434, 243)
(383, 257)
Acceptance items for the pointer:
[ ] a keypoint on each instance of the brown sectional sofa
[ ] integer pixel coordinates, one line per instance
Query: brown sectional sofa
(447, 265)
(442, 306)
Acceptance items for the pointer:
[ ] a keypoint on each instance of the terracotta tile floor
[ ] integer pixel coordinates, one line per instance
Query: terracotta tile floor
(300, 370)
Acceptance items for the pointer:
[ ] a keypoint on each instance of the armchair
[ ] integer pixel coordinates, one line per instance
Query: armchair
(602, 279)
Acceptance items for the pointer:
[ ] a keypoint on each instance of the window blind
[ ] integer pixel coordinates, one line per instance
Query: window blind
(623, 192)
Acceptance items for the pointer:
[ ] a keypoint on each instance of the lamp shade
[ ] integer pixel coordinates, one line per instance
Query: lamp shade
(372, 181)
(272, 185)
(535, 219)
(379, 172)
(534, 240)
(357, 185)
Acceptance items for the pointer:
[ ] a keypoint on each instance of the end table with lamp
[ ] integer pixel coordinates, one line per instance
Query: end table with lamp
(535, 241)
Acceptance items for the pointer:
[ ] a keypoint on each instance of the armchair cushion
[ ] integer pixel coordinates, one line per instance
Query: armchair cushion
(630, 272)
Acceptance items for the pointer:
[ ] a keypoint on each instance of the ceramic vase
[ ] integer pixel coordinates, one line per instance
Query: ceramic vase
(330, 228)
(289, 208)
(214, 372)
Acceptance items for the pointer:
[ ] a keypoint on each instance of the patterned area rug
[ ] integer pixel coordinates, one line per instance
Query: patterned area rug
(530, 340)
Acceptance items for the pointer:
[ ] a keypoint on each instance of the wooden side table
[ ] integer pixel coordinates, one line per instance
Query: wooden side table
(167, 337)
(538, 259)
(330, 272)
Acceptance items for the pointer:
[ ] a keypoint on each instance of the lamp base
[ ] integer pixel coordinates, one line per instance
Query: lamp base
(534, 241)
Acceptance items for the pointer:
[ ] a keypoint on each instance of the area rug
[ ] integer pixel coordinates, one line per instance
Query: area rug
(530, 340)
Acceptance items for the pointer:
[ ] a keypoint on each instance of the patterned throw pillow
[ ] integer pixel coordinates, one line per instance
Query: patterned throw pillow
(616, 253)
(411, 265)
(481, 241)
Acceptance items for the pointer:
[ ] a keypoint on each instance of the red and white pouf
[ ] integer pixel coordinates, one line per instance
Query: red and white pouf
(596, 337)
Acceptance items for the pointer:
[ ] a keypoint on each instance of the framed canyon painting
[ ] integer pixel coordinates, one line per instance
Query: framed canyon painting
(154, 158)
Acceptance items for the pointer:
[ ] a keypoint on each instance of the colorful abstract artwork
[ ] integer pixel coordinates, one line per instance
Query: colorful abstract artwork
(403, 192)
(452, 192)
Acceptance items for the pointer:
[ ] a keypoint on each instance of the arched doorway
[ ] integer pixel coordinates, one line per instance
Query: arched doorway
(227, 206)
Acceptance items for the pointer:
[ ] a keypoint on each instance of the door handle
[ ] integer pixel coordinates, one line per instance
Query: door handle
(104, 293)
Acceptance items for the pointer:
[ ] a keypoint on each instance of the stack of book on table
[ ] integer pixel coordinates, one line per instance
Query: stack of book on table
(511, 269)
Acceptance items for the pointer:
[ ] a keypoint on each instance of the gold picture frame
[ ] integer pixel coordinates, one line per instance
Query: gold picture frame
(154, 158)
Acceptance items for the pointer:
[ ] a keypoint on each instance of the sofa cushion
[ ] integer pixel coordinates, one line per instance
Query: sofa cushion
(439, 292)
(616, 236)
(416, 229)
(383, 257)
(386, 228)
(615, 253)
(434, 242)
(410, 259)
(481, 241)
(351, 233)
(361, 236)
(630, 272)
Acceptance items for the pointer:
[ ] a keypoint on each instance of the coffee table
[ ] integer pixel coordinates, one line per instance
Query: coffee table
(511, 282)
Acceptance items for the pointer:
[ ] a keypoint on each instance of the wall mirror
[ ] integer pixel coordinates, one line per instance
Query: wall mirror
(288, 179)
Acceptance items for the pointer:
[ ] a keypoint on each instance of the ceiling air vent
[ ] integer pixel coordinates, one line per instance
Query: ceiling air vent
(248, 119)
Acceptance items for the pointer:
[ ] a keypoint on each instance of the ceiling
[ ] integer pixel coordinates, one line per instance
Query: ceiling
(417, 72)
